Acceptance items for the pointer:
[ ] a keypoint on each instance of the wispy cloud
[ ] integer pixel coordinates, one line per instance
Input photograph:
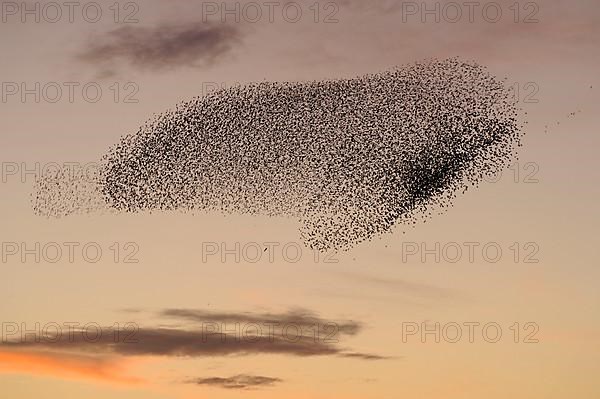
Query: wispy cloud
(161, 48)
(241, 381)
(364, 356)
(399, 286)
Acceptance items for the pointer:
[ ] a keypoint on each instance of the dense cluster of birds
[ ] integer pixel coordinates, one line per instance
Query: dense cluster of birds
(348, 158)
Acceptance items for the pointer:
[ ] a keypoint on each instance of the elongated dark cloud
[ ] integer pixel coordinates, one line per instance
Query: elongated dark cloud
(301, 318)
(179, 342)
(161, 48)
(219, 334)
(241, 381)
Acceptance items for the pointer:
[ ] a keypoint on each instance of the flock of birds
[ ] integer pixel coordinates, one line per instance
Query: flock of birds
(349, 158)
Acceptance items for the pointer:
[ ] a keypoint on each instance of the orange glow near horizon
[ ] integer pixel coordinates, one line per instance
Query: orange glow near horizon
(67, 366)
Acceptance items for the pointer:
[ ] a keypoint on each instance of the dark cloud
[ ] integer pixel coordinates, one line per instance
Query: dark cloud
(295, 333)
(161, 48)
(300, 318)
(179, 342)
(241, 381)
(364, 356)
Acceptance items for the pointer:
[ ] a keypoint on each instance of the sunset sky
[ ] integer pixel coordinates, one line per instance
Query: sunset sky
(168, 278)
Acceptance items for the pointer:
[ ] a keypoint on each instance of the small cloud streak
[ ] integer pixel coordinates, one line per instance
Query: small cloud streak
(363, 356)
(241, 381)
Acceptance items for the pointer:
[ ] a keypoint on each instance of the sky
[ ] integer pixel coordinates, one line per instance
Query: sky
(496, 297)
